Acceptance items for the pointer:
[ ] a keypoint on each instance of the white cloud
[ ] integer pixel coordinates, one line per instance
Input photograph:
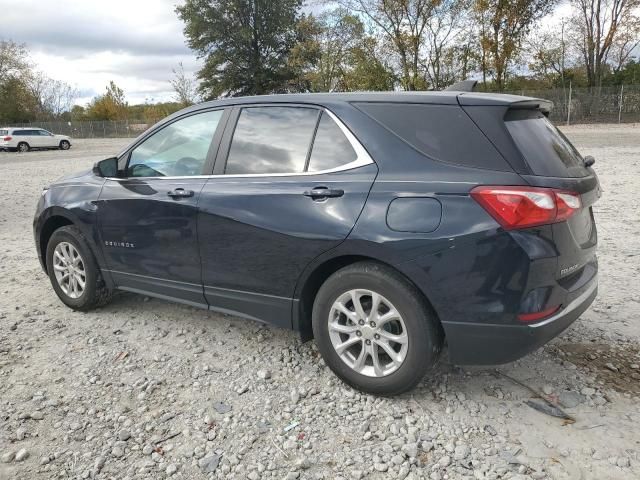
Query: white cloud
(135, 43)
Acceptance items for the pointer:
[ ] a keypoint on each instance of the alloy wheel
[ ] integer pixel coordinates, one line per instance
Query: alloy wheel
(368, 333)
(68, 266)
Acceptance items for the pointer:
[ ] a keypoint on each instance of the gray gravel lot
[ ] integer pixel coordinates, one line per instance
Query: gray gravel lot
(147, 389)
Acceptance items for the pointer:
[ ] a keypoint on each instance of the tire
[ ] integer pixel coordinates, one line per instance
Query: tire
(23, 147)
(65, 145)
(95, 292)
(417, 319)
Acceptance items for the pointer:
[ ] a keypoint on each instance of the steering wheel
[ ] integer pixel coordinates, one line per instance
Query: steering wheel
(188, 166)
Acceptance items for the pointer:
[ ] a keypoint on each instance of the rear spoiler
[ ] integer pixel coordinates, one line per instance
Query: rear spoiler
(470, 99)
(544, 106)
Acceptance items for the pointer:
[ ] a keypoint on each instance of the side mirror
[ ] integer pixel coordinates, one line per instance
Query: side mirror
(106, 168)
(589, 161)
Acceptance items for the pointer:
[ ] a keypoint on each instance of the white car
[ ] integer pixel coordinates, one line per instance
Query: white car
(24, 139)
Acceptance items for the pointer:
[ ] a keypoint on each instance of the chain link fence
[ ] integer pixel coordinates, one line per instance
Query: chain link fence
(620, 104)
(90, 129)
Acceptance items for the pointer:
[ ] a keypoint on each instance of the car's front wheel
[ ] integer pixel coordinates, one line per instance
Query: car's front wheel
(374, 329)
(73, 270)
(65, 145)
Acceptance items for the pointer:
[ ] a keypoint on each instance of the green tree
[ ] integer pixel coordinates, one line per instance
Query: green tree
(334, 53)
(245, 44)
(110, 106)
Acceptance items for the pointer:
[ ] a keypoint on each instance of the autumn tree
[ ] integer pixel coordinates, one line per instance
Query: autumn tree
(245, 44)
(607, 30)
(503, 25)
(110, 106)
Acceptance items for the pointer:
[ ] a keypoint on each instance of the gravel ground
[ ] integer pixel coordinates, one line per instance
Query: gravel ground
(147, 389)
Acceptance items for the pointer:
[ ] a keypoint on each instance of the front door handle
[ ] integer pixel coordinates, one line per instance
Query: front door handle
(180, 193)
(319, 193)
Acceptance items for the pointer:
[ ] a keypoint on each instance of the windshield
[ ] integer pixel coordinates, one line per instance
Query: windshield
(547, 151)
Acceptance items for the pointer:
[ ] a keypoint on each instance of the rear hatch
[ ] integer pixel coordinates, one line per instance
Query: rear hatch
(544, 157)
(555, 163)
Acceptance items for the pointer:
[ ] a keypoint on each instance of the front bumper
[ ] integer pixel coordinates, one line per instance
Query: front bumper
(490, 344)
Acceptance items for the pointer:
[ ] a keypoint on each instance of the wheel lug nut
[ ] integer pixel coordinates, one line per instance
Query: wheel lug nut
(358, 333)
(361, 322)
(368, 342)
(376, 336)
(373, 324)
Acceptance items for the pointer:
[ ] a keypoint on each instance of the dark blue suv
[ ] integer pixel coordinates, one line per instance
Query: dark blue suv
(382, 225)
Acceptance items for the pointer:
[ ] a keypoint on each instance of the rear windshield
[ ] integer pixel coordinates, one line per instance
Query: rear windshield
(441, 132)
(547, 151)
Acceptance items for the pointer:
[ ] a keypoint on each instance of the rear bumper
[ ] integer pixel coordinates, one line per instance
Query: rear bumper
(490, 344)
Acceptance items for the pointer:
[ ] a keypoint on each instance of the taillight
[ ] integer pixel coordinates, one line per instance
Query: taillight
(522, 207)
(6, 139)
(535, 316)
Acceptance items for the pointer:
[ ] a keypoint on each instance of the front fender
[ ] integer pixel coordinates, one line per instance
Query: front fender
(74, 205)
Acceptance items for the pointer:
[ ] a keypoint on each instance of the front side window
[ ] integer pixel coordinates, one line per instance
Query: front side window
(331, 149)
(271, 140)
(177, 150)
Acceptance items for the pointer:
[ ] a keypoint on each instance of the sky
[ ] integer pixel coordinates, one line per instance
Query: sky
(87, 43)
(135, 43)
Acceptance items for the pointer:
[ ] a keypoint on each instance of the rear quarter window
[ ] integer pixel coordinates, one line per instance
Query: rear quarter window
(545, 148)
(4, 132)
(441, 132)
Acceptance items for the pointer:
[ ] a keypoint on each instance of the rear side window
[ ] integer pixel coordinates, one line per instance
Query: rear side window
(4, 132)
(271, 140)
(331, 149)
(441, 132)
(546, 150)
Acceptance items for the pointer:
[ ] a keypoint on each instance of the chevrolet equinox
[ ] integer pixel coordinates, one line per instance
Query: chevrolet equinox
(380, 224)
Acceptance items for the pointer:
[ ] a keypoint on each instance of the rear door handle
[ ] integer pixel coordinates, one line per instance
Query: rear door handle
(180, 193)
(323, 192)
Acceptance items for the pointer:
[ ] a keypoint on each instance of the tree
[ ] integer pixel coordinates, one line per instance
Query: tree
(402, 24)
(503, 25)
(14, 60)
(184, 86)
(53, 97)
(449, 43)
(110, 106)
(603, 27)
(334, 53)
(245, 44)
(549, 55)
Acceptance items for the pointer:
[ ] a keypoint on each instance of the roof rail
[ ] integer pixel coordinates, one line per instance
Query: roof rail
(463, 86)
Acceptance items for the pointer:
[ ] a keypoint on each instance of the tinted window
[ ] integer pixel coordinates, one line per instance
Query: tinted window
(547, 151)
(331, 148)
(20, 133)
(179, 149)
(4, 132)
(271, 140)
(441, 132)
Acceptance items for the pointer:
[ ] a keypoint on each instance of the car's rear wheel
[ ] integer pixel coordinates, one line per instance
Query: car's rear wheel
(23, 147)
(65, 145)
(73, 270)
(374, 329)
